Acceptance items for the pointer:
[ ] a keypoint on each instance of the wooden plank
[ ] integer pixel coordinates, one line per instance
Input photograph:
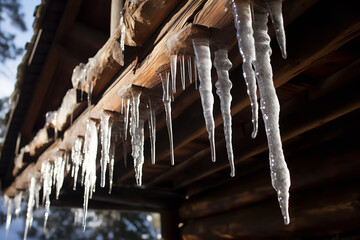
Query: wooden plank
(336, 159)
(318, 212)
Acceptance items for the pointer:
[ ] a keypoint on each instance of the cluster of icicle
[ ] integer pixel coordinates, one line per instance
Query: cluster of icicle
(254, 45)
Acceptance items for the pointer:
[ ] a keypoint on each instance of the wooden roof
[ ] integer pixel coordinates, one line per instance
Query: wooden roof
(317, 86)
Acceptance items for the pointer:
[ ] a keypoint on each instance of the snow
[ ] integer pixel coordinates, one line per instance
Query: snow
(203, 62)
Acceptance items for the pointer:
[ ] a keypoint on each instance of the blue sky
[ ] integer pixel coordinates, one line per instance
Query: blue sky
(8, 70)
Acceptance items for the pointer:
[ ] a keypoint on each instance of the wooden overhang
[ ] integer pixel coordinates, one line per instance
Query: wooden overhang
(317, 86)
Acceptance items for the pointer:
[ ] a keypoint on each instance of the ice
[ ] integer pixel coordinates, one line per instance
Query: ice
(47, 172)
(182, 71)
(111, 165)
(173, 63)
(30, 206)
(51, 120)
(17, 203)
(270, 108)
(275, 10)
(105, 139)
(243, 22)
(89, 164)
(165, 80)
(59, 171)
(223, 86)
(78, 76)
(137, 136)
(203, 62)
(189, 64)
(76, 158)
(126, 118)
(92, 63)
(9, 203)
(152, 129)
(123, 32)
(67, 107)
(195, 73)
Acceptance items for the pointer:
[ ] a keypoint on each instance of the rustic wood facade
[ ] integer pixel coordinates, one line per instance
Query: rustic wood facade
(318, 90)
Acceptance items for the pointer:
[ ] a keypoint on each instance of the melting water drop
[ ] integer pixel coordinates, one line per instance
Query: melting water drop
(203, 62)
(223, 86)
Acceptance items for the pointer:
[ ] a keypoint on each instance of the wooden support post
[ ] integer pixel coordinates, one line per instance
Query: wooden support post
(116, 14)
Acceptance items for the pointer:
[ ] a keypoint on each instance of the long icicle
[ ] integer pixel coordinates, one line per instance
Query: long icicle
(182, 71)
(223, 86)
(270, 108)
(47, 172)
(89, 164)
(275, 10)
(203, 62)
(30, 206)
(165, 78)
(105, 139)
(9, 203)
(152, 129)
(173, 63)
(243, 22)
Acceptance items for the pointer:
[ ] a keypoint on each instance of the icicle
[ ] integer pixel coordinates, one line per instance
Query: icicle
(105, 138)
(173, 63)
(30, 206)
(275, 9)
(223, 86)
(47, 172)
(76, 157)
(59, 171)
(203, 62)
(195, 74)
(9, 203)
(182, 71)
(152, 129)
(122, 37)
(189, 64)
(126, 118)
(122, 105)
(17, 203)
(111, 165)
(137, 136)
(165, 78)
(137, 143)
(270, 108)
(89, 164)
(78, 76)
(243, 23)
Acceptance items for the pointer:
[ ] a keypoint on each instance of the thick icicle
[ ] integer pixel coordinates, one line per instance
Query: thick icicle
(9, 203)
(173, 63)
(59, 171)
(182, 71)
(135, 103)
(270, 108)
(47, 172)
(165, 80)
(89, 164)
(275, 10)
(105, 139)
(243, 22)
(223, 86)
(17, 203)
(189, 64)
(30, 206)
(152, 129)
(203, 62)
(76, 158)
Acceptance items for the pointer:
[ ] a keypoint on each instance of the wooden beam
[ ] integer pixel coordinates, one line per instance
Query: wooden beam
(336, 159)
(318, 212)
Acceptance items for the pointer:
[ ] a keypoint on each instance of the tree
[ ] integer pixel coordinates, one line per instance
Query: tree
(10, 10)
